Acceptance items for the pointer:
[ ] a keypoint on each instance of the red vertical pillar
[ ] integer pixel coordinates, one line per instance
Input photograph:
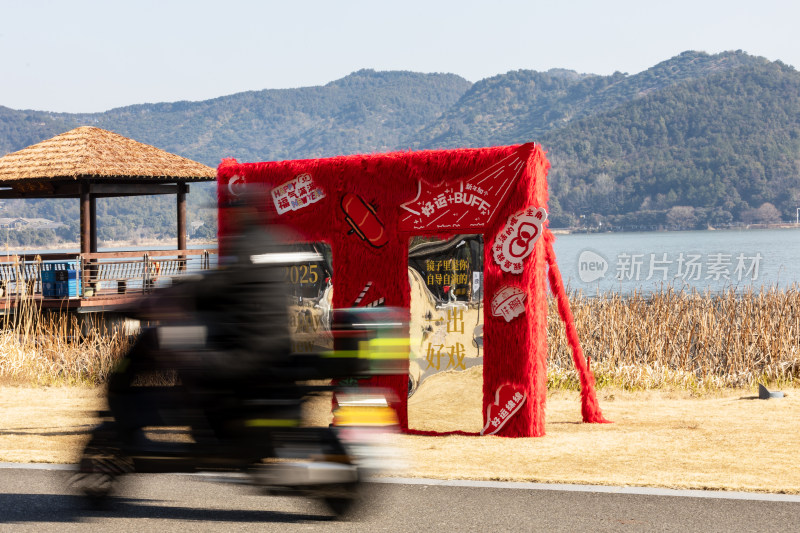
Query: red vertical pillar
(515, 351)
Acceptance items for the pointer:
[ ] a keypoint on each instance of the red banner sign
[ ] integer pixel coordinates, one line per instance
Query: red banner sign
(509, 302)
(516, 240)
(507, 401)
(468, 205)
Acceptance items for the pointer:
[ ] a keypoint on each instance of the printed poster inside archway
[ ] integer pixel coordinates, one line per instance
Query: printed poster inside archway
(446, 326)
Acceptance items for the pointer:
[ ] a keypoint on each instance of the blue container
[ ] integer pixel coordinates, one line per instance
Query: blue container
(66, 289)
(60, 280)
(48, 289)
(48, 284)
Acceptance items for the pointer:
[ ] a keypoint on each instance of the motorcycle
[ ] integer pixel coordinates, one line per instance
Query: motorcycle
(256, 430)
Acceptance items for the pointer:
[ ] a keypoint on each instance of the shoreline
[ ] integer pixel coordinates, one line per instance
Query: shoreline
(556, 231)
(748, 227)
(109, 244)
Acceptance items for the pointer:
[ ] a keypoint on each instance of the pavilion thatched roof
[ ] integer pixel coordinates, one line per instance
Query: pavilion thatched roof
(88, 152)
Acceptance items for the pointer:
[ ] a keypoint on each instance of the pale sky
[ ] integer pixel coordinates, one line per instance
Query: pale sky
(88, 56)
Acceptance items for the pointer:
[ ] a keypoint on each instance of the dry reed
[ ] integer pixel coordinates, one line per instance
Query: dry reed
(675, 339)
(50, 348)
(682, 339)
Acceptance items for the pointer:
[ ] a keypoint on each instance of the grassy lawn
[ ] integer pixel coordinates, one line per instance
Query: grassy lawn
(725, 439)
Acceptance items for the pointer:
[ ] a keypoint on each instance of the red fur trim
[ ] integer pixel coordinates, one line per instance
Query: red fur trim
(516, 352)
(590, 408)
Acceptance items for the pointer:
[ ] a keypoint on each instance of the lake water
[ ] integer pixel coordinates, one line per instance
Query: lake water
(704, 260)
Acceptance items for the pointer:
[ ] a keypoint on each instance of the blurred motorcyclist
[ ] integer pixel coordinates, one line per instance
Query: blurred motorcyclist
(241, 311)
(244, 303)
(241, 391)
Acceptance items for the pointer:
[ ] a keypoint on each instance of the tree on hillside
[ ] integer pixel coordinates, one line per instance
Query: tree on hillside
(681, 217)
(766, 214)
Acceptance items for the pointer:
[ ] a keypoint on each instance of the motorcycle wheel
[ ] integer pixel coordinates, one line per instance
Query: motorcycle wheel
(342, 500)
(102, 463)
(95, 487)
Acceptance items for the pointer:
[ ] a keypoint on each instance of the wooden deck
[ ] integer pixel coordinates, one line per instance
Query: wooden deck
(95, 282)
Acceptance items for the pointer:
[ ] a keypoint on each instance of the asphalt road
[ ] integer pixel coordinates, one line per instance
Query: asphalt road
(38, 500)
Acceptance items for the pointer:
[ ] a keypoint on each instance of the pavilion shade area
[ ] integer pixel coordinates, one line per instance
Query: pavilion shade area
(87, 163)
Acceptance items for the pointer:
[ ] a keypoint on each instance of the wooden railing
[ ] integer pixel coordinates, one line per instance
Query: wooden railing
(19, 278)
(102, 273)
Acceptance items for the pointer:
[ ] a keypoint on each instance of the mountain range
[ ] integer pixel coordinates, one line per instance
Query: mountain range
(693, 141)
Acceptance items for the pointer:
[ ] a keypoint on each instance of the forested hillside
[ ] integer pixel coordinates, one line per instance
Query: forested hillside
(366, 111)
(716, 150)
(525, 104)
(697, 139)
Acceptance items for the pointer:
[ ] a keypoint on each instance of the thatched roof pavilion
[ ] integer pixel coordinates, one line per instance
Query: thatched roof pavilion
(90, 163)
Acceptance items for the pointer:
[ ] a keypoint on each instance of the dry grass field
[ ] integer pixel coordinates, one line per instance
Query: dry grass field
(725, 439)
(667, 438)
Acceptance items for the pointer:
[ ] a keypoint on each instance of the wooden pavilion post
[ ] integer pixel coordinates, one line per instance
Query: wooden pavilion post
(88, 216)
(93, 223)
(181, 215)
(182, 188)
(86, 219)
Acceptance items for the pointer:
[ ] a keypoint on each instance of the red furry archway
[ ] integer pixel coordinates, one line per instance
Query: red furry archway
(367, 206)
